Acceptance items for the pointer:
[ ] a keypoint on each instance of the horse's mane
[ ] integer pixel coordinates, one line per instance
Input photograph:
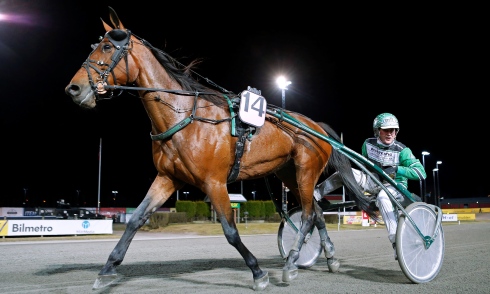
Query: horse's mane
(182, 75)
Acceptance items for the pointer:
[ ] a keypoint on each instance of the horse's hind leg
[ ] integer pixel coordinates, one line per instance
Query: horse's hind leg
(225, 214)
(332, 263)
(155, 197)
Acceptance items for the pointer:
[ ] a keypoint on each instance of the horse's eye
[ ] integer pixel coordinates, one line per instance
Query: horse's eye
(106, 48)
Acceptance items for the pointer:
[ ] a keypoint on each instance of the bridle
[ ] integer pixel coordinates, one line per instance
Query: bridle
(121, 40)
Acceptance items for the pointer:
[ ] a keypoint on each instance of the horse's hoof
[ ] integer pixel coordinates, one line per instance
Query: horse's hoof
(333, 264)
(103, 281)
(289, 275)
(261, 283)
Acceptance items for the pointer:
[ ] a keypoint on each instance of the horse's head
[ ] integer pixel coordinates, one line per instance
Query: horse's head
(103, 68)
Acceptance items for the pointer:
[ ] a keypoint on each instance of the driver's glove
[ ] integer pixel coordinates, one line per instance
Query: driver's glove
(391, 171)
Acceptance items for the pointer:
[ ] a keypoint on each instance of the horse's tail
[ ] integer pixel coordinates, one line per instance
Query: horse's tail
(342, 164)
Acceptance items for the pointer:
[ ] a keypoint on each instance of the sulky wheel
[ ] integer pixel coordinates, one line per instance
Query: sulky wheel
(311, 248)
(418, 263)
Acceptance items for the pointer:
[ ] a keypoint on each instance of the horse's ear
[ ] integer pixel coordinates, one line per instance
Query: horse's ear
(106, 26)
(115, 19)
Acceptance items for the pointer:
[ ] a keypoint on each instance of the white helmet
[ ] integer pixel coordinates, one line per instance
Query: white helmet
(385, 121)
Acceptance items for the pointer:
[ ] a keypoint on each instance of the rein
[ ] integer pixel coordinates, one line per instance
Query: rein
(177, 92)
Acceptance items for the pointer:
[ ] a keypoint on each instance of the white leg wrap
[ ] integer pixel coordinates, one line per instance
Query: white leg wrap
(326, 243)
(387, 211)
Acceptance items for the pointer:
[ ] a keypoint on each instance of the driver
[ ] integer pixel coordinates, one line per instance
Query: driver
(395, 159)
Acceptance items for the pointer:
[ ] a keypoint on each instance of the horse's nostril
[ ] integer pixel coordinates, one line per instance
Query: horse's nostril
(72, 89)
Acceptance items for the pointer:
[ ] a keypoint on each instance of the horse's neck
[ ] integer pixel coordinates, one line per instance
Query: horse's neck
(164, 109)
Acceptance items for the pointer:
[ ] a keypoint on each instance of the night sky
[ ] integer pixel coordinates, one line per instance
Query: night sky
(425, 64)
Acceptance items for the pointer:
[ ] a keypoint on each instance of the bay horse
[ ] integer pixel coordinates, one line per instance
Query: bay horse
(198, 139)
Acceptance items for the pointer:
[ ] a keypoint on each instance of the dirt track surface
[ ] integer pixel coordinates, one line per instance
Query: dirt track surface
(193, 264)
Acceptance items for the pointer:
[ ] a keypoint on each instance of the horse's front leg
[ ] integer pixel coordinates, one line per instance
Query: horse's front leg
(156, 196)
(225, 215)
(290, 269)
(333, 263)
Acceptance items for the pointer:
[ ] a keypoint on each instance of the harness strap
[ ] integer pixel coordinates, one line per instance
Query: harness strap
(182, 124)
(239, 146)
(179, 126)
(232, 113)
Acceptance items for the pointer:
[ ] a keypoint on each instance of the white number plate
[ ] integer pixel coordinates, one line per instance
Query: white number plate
(252, 109)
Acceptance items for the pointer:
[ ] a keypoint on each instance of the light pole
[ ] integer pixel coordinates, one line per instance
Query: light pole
(186, 193)
(435, 187)
(283, 83)
(423, 188)
(253, 195)
(115, 194)
(438, 187)
(100, 174)
(78, 197)
(25, 196)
